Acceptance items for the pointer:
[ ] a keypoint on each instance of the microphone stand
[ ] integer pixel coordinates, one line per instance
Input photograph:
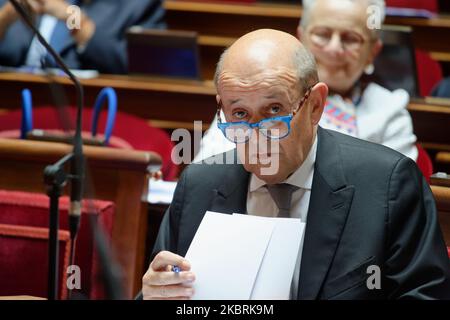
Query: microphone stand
(54, 175)
(111, 272)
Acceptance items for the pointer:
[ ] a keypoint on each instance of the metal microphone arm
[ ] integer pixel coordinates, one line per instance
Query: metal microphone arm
(77, 163)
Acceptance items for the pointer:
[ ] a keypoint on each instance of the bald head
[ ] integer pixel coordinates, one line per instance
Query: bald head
(267, 51)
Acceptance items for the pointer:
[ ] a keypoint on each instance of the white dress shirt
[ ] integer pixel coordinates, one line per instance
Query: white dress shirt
(260, 203)
(37, 50)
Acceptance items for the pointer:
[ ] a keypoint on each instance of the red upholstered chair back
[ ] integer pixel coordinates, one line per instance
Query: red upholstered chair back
(429, 72)
(31, 210)
(129, 132)
(431, 5)
(424, 163)
(23, 260)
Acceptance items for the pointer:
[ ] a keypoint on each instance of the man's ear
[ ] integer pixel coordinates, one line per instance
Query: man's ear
(217, 98)
(318, 99)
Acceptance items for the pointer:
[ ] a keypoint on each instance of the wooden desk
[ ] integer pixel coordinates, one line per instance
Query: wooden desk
(431, 121)
(171, 104)
(176, 104)
(440, 179)
(220, 23)
(115, 175)
(443, 160)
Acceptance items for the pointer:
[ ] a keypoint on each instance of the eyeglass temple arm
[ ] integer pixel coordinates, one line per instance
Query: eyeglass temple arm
(305, 97)
(219, 107)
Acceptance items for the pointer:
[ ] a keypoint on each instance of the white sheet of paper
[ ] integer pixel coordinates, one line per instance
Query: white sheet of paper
(160, 191)
(277, 269)
(226, 254)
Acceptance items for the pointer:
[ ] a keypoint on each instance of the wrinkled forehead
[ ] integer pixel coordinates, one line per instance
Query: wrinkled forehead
(280, 82)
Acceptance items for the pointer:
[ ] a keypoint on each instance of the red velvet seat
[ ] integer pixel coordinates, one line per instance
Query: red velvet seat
(23, 260)
(129, 132)
(31, 210)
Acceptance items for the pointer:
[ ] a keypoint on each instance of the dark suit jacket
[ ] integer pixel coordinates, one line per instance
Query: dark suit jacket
(106, 50)
(369, 205)
(442, 89)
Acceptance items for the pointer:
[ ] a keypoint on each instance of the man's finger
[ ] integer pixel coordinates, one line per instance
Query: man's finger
(34, 5)
(169, 291)
(165, 258)
(168, 278)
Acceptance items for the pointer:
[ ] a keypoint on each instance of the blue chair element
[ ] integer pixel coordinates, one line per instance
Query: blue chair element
(106, 93)
(27, 113)
(110, 94)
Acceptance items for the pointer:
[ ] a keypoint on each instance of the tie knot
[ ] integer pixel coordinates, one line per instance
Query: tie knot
(282, 196)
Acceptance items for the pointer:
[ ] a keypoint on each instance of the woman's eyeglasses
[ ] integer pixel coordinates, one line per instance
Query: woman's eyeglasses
(350, 40)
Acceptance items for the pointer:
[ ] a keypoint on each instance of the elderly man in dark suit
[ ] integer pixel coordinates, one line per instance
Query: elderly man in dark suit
(98, 44)
(364, 205)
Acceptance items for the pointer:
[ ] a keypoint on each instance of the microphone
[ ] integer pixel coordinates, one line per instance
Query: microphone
(77, 161)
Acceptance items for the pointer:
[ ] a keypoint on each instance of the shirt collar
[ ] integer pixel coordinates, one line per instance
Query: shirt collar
(301, 178)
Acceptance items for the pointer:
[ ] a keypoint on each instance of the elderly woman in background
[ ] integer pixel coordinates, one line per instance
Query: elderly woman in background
(337, 33)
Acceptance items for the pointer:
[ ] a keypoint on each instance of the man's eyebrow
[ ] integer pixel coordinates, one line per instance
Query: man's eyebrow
(272, 96)
(234, 101)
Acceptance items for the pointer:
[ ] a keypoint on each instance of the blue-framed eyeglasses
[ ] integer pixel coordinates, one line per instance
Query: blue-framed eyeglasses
(273, 128)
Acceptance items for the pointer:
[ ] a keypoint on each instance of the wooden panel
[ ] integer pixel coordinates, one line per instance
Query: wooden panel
(230, 20)
(179, 103)
(431, 119)
(236, 19)
(113, 174)
(149, 98)
(443, 160)
(440, 179)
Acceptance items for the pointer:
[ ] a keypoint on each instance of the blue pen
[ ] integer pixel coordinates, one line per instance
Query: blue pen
(176, 269)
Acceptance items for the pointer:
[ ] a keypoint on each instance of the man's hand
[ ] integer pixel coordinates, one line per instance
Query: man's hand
(59, 10)
(55, 8)
(8, 13)
(159, 282)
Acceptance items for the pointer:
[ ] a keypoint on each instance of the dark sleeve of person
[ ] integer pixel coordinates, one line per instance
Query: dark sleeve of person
(106, 51)
(168, 231)
(416, 262)
(442, 90)
(167, 238)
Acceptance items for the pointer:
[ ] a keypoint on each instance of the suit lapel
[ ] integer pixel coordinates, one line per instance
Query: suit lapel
(231, 194)
(330, 203)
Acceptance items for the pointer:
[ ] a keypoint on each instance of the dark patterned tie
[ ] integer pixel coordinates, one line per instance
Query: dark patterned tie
(282, 196)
